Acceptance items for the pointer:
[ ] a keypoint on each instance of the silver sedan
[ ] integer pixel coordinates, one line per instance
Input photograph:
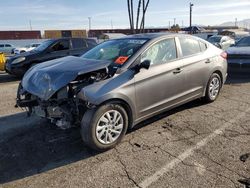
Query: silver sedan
(122, 82)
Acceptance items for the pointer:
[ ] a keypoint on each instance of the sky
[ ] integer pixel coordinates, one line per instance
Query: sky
(73, 14)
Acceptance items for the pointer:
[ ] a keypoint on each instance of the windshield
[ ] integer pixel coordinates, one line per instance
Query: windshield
(117, 51)
(214, 39)
(44, 45)
(243, 42)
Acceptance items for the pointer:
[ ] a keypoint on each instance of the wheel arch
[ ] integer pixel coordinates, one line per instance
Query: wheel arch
(126, 107)
(217, 71)
(220, 74)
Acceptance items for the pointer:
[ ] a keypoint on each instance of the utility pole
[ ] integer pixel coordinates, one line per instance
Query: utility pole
(89, 23)
(111, 24)
(30, 25)
(236, 22)
(174, 21)
(191, 10)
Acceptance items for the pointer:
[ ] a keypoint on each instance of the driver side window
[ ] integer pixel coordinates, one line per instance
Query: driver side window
(161, 52)
(62, 45)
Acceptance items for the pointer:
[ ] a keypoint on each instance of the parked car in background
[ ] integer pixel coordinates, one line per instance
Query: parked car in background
(122, 82)
(7, 48)
(26, 48)
(239, 56)
(222, 42)
(48, 50)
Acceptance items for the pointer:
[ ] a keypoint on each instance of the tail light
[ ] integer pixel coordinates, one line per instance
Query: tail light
(224, 55)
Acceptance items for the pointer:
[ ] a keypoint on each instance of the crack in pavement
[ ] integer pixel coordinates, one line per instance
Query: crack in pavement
(193, 165)
(189, 152)
(205, 155)
(125, 169)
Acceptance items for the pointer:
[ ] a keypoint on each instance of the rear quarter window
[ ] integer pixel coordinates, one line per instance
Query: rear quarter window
(189, 46)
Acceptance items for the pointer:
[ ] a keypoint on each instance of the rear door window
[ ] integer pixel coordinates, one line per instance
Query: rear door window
(78, 43)
(7, 45)
(1, 45)
(189, 46)
(91, 43)
(203, 46)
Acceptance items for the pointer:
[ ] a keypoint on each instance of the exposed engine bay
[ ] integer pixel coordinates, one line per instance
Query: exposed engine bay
(63, 108)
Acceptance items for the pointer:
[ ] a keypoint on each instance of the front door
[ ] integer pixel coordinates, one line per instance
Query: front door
(58, 50)
(161, 85)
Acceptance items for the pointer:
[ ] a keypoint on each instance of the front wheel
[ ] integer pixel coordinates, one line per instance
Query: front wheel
(103, 128)
(213, 88)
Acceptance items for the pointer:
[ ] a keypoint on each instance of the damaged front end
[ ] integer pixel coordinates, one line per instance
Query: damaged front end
(52, 94)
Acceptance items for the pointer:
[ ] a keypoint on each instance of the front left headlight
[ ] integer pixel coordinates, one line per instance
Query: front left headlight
(18, 60)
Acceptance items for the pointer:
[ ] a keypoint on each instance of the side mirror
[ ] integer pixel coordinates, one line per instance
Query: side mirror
(145, 64)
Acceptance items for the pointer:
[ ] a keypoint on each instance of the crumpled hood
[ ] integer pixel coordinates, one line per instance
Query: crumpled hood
(45, 79)
(239, 50)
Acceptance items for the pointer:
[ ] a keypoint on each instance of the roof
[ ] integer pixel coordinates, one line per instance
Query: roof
(151, 35)
(114, 35)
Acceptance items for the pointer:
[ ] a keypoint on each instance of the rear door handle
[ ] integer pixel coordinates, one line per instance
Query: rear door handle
(177, 71)
(208, 61)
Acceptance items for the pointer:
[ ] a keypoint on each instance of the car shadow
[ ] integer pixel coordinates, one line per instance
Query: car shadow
(192, 104)
(5, 77)
(43, 146)
(37, 149)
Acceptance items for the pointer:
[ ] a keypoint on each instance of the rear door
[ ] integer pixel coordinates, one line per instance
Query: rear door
(162, 84)
(79, 46)
(196, 64)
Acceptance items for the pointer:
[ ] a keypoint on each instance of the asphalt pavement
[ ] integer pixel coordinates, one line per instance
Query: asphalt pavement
(195, 145)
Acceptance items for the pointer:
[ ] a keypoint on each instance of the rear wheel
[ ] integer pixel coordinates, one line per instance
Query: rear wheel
(213, 88)
(103, 128)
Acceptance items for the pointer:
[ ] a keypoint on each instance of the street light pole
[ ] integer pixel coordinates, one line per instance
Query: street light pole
(191, 9)
(89, 22)
(30, 25)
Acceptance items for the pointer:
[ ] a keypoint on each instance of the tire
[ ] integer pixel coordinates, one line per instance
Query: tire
(97, 119)
(213, 88)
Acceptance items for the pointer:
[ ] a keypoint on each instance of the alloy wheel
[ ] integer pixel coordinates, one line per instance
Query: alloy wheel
(109, 127)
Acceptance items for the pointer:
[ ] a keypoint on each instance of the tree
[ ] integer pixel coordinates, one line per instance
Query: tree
(139, 25)
(175, 28)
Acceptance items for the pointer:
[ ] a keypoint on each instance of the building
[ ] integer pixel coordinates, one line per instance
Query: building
(99, 32)
(48, 34)
(17, 35)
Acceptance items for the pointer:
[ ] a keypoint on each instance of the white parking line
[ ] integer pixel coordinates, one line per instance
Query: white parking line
(166, 168)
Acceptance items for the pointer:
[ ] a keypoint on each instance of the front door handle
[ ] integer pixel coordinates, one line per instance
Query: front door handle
(177, 71)
(208, 61)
